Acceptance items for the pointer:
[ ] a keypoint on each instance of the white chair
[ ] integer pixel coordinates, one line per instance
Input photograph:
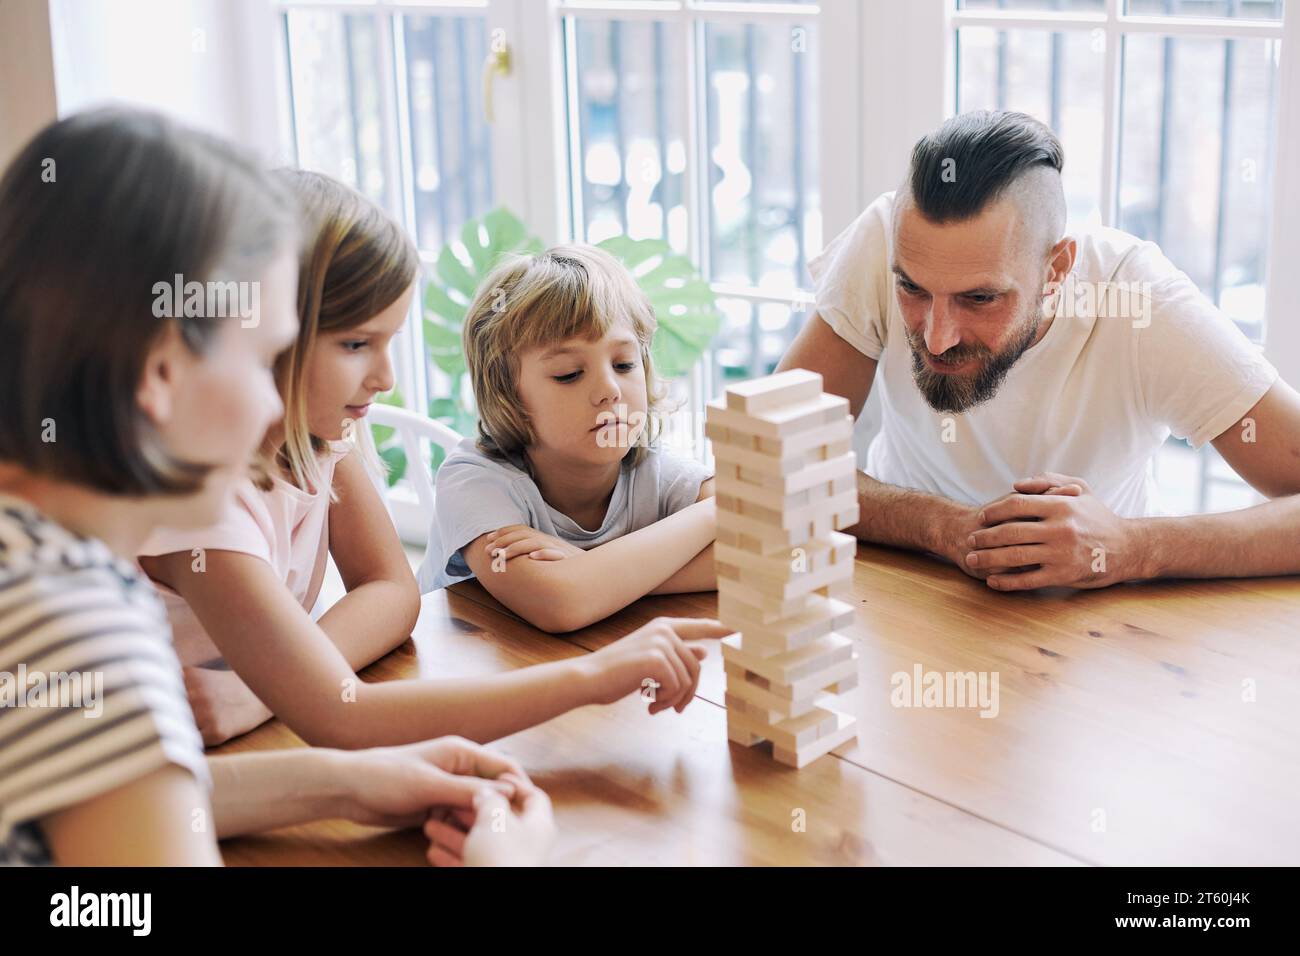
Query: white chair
(411, 427)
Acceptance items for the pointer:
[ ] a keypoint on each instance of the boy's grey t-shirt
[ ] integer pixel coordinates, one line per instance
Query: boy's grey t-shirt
(475, 494)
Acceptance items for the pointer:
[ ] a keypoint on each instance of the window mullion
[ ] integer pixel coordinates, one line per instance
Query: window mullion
(1112, 93)
(413, 374)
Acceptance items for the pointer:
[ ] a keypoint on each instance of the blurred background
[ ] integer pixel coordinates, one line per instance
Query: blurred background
(740, 136)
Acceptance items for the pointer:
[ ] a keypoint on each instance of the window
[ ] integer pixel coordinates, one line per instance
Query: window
(746, 134)
(1167, 110)
(694, 123)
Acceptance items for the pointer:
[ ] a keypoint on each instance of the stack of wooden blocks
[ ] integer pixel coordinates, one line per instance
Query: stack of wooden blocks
(786, 478)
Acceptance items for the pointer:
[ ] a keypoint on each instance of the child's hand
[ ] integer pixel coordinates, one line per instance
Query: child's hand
(398, 786)
(655, 660)
(519, 539)
(223, 704)
(495, 832)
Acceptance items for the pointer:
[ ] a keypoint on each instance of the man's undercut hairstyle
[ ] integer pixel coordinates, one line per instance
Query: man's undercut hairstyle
(972, 159)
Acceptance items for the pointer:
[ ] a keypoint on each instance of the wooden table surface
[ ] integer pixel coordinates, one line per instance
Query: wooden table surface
(1141, 724)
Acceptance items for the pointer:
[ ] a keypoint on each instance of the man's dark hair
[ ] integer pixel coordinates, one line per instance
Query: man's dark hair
(971, 159)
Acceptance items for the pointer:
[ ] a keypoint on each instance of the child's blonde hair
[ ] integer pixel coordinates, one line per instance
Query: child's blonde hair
(355, 263)
(566, 292)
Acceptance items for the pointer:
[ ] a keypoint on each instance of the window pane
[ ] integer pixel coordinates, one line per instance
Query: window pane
(764, 201)
(1055, 77)
(334, 70)
(754, 336)
(1196, 161)
(451, 150)
(1036, 6)
(1236, 9)
(631, 144)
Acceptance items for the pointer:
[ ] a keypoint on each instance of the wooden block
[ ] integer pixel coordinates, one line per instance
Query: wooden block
(844, 686)
(785, 565)
(796, 526)
(737, 733)
(764, 699)
(781, 456)
(846, 730)
(788, 666)
(780, 422)
(765, 638)
(813, 443)
(792, 733)
(784, 597)
(773, 391)
(813, 482)
(805, 688)
(758, 495)
(766, 609)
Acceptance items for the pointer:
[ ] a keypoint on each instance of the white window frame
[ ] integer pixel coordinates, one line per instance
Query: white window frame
(1282, 285)
(884, 82)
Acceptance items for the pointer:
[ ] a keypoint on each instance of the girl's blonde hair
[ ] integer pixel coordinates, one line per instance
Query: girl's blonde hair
(566, 292)
(355, 263)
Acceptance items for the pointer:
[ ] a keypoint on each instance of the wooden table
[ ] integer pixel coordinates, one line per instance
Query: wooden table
(1142, 724)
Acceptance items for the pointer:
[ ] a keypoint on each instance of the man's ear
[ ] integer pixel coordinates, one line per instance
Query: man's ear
(1061, 259)
(156, 393)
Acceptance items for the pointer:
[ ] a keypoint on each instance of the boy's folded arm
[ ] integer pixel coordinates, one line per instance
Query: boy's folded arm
(697, 574)
(565, 595)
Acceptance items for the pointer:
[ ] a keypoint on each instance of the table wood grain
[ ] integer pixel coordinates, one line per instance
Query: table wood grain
(1154, 723)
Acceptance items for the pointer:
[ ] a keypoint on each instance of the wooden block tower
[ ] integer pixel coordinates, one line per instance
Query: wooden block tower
(786, 478)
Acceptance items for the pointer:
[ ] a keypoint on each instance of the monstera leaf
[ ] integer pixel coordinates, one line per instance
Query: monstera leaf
(685, 307)
(387, 442)
(461, 267)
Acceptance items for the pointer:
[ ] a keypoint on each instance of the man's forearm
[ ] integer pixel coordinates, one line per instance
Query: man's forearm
(902, 517)
(1252, 542)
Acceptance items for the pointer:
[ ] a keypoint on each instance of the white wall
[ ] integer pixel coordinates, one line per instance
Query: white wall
(210, 63)
(26, 74)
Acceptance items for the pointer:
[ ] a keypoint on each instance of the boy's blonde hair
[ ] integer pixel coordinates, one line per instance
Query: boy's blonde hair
(355, 262)
(566, 292)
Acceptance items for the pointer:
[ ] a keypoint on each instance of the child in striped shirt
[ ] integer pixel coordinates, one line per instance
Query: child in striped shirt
(126, 410)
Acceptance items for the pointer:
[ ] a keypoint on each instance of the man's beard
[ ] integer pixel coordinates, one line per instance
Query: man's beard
(957, 393)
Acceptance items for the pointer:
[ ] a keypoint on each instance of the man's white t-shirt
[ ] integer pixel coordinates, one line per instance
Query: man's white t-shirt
(1096, 397)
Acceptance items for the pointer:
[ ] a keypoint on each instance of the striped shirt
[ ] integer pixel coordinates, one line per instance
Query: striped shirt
(91, 695)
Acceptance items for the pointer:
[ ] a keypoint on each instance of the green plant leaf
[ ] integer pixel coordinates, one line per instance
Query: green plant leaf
(685, 307)
(383, 434)
(443, 345)
(440, 304)
(395, 458)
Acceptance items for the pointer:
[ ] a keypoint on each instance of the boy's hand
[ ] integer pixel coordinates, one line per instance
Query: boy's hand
(222, 704)
(655, 660)
(515, 540)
